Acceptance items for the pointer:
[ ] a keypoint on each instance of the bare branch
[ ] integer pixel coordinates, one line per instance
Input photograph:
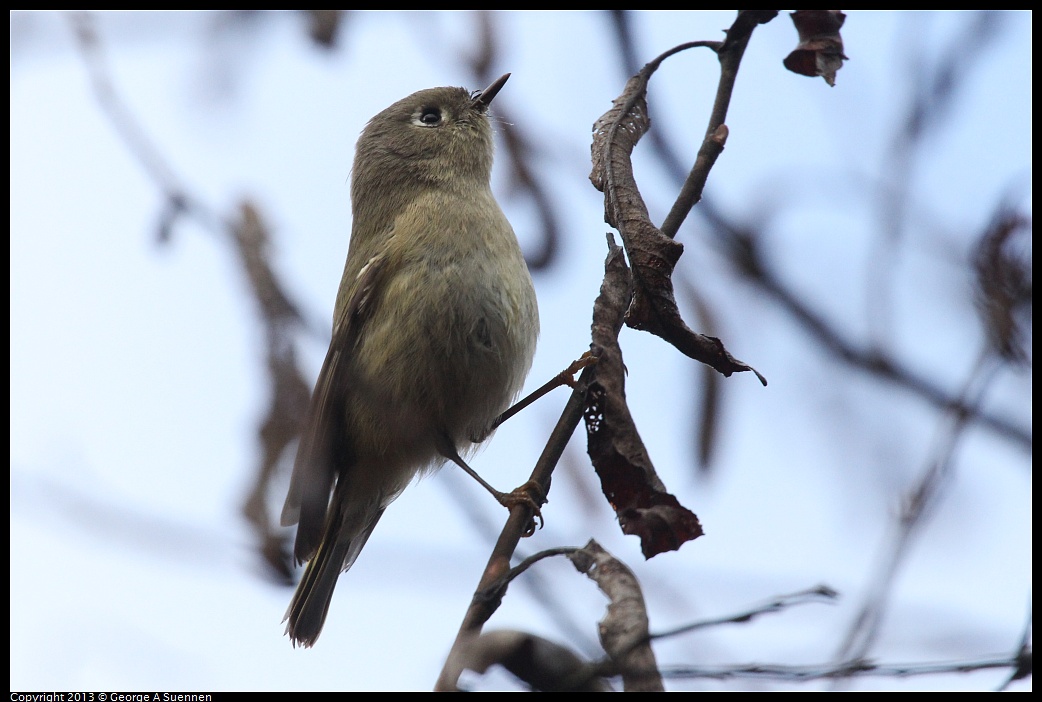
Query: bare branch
(661, 521)
(483, 605)
(730, 54)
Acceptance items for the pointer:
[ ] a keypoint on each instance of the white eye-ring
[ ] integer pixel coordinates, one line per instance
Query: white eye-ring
(428, 116)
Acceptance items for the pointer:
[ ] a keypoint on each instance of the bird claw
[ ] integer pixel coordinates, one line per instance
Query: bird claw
(567, 376)
(530, 495)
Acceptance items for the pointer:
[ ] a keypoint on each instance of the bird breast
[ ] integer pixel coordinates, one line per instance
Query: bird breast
(470, 330)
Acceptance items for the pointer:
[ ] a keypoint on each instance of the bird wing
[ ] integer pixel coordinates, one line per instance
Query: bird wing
(324, 445)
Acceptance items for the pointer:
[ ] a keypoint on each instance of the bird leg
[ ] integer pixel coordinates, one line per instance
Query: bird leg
(530, 495)
(565, 377)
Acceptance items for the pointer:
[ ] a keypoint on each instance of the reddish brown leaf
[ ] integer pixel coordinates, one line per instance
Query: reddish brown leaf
(820, 51)
(628, 478)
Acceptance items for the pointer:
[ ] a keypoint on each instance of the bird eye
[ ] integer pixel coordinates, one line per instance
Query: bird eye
(430, 116)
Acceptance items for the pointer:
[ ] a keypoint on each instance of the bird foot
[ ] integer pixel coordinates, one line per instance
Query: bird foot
(530, 495)
(567, 376)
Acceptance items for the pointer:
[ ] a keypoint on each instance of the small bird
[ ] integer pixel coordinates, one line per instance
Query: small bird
(434, 330)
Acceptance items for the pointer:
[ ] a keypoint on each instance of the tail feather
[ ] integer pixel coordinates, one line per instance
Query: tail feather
(310, 603)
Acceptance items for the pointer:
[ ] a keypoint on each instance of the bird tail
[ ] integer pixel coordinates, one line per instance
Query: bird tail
(337, 552)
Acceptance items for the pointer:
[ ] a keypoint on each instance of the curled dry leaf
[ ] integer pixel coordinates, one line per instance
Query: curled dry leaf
(652, 254)
(820, 51)
(628, 478)
(544, 665)
(624, 629)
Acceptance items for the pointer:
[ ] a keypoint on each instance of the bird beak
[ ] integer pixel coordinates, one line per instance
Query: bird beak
(485, 98)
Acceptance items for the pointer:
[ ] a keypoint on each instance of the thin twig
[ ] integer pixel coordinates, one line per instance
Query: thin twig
(730, 53)
(819, 594)
(525, 565)
(737, 241)
(856, 668)
(565, 377)
(481, 608)
(822, 593)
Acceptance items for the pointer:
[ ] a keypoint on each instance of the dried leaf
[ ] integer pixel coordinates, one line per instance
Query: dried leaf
(820, 50)
(624, 629)
(544, 665)
(628, 478)
(652, 254)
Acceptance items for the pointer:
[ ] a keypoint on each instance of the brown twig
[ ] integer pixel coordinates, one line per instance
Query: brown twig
(565, 377)
(482, 607)
(819, 594)
(740, 243)
(730, 53)
(826, 671)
